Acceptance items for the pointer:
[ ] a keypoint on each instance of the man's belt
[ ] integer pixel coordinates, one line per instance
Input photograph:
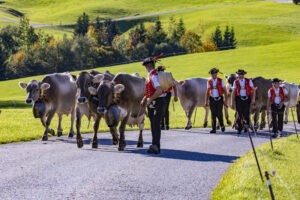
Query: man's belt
(244, 98)
(217, 98)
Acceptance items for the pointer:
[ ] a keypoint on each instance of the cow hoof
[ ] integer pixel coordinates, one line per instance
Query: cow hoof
(79, 142)
(229, 122)
(70, 135)
(59, 133)
(52, 132)
(121, 148)
(188, 127)
(205, 125)
(95, 145)
(285, 122)
(45, 138)
(140, 145)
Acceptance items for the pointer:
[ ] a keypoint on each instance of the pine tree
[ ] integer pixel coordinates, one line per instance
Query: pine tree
(226, 41)
(158, 25)
(217, 37)
(180, 30)
(98, 23)
(142, 32)
(82, 24)
(232, 40)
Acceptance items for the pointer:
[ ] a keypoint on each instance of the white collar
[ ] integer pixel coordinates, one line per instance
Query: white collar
(242, 80)
(150, 72)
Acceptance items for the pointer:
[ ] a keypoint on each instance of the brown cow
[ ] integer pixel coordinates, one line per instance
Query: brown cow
(126, 91)
(87, 103)
(293, 91)
(58, 92)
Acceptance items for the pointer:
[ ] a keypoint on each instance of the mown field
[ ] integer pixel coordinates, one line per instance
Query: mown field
(56, 11)
(242, 180)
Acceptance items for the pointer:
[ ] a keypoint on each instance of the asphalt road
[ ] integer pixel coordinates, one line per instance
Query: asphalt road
(190, 166)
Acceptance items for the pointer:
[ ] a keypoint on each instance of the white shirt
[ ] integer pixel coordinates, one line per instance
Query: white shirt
(277, 99)
(155, 82)
(215, 92)
(242, 84)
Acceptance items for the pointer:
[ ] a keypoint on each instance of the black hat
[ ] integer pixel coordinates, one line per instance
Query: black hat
(147, 60)
(241, 72)
(213, 71)
(161, 68)
(276, 80)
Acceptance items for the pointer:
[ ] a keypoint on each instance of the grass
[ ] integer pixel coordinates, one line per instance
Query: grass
(56, 11)
(242, 180)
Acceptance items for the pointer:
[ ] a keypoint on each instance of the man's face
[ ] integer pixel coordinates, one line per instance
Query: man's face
(241, 76)
(149, 67)
(276, 84)
(214, 76)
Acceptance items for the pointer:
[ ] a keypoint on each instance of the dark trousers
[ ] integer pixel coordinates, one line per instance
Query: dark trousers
(216, 108)
(277, 117)
(243, 109)
(165, 116)
(155, 111)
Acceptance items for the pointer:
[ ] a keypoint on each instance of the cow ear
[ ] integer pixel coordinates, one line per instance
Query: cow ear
(92, 90)
(98, 78)
(45, 86)
(119, 88)
(22, 85)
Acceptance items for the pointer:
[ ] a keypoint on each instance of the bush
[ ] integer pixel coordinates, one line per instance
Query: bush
(191, 41)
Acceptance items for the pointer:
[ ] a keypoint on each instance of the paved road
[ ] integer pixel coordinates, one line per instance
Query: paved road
(140, 16)
(189, 167)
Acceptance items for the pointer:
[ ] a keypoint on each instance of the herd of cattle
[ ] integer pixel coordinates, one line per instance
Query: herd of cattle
(93, 93)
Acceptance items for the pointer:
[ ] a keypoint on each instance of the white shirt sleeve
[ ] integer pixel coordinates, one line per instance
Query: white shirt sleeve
(155, 81)
(234, 85)
(269, 94)
(285, 91)
(208, 86)
(223, 84)
(251, 83)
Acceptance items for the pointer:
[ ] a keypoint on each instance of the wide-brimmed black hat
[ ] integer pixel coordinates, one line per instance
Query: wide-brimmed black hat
(276, 80)
(241, 72)
(147, 60)
(213, 71)
(161, 68)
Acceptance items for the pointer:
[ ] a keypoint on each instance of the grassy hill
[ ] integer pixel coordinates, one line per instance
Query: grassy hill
(57, 11)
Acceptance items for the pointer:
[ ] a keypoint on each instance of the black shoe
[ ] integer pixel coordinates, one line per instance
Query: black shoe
(153, 149)
(275, 135)
(239, 132)
(162, 128)
(223, 129)
(212, 131)
(280, 134)
(167, 127)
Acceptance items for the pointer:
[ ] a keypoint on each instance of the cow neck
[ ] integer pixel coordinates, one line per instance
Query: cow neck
(42, 96)
(116, 97)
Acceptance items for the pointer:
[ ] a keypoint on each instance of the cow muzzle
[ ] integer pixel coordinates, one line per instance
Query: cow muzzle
(230, 90)
(29, 101)
(101, 109)
(82, 100)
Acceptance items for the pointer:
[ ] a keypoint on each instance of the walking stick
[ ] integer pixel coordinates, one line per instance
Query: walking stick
(269, 185)
(294, 123)
(270, 131)
(247, 127)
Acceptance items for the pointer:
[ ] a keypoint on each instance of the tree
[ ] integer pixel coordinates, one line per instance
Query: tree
(180, 30)
(142, 32)
(112, 30)
(27, 34)
(158, 25)
(191, 41)
(217, 37)
(82, 24)
(226, 41)
(232, 39)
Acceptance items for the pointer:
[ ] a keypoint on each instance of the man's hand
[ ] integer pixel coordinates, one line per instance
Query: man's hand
(280, 105)
(149, 100)
(206, 104)
(143, 102)
(175, 99)
(253, 101)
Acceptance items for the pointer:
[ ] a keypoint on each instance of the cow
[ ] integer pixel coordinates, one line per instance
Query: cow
(293, 92)
(125, 91)
(87, 103)
(191, 93)
(262, 86)
(58, 92)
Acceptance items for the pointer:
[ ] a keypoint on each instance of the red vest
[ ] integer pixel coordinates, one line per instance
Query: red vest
(273, 95)
(149, 88)
(218, 86)
(169, 90)
(247, 87)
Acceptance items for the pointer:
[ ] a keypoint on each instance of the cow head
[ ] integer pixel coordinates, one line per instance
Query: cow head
(83, 82)
(34, 90)
(230, 80)
(107, 92)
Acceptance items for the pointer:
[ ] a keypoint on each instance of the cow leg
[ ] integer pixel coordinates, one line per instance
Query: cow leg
(71, 132)
(263, 120)
(78, 124)
(141, 141)
(51, 131)
(286, 117)
(122, 142)
(114, 135)
(205, 117)
(59, 129)
(48, 121)
(256, 119)
(95, 138)
(227, 115)
(189, 115)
